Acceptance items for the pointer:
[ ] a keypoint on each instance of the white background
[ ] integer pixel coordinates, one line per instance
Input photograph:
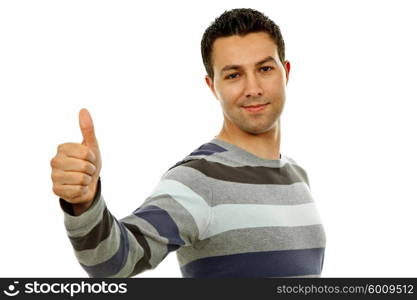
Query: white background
(349, 119)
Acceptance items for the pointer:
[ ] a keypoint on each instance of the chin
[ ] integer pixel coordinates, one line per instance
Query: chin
(258, 129)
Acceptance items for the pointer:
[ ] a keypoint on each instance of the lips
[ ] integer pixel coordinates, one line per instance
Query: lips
(255, 108)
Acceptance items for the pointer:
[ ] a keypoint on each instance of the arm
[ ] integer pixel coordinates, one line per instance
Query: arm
(173, 216)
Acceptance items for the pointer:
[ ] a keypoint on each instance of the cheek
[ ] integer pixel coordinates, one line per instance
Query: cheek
(230, 94)
(279, 83)
(275, 88)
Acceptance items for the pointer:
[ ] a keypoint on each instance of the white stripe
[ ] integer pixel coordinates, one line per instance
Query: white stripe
(190, 200)
(236, 216)
(226, 217)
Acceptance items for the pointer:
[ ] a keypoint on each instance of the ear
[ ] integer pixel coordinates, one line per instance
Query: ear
(287, 68)
(210, 84)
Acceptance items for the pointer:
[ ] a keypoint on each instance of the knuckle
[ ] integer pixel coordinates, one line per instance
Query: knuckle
(91, 170)
(55, 162)
(61, 148)
(86, 154)
(84, 167)
(83, 179)
(56, 190)
(80, 190)
(74, 193)
(87, 179)
(82, 152)
(92, 155)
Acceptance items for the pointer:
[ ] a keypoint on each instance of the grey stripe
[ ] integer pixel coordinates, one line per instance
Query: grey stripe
(196, 206)
(187, 226)
(252, 214)
(104, 251)
(241, 193)
(156, 243)
(135, 253)
(244, 157)
(226, 158)
(77, 226)
(253, 240)
(226, 192)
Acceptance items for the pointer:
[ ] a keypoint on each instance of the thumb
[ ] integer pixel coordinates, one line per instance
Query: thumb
(87, 128)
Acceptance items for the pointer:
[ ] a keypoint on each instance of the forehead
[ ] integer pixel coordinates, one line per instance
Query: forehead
(244, 50)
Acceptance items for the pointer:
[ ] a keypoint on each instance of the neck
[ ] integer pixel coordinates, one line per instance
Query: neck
(265, 145)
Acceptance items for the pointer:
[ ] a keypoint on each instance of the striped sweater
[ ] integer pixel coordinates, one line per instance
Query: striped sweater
(225, 211)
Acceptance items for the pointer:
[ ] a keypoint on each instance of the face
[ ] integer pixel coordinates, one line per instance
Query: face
(248, 72)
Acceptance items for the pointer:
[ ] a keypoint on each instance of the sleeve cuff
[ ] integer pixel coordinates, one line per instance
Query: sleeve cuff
(78, 225)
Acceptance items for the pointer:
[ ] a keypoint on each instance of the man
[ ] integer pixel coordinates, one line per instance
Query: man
(235, 206)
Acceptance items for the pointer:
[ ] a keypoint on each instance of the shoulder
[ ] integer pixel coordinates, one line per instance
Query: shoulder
(197, 159)
(187, 171)
(296, 167)
(203, 151)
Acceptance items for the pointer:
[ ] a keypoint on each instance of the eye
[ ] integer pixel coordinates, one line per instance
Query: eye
(231, 76)
(266, 68)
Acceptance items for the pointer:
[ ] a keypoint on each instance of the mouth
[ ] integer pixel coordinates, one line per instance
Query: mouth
(255, 108)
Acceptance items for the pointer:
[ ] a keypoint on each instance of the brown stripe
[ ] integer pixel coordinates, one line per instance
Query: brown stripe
(143, 263)
(99, 233)
(287, 174)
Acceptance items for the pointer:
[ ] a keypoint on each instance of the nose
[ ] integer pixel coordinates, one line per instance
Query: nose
(253, 88)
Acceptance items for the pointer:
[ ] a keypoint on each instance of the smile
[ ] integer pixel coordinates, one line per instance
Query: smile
(255, 108)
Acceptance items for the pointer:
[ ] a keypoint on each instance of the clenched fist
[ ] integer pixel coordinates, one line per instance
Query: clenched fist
(76, 167)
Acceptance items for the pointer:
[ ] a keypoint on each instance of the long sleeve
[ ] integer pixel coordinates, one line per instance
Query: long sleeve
(173, 216)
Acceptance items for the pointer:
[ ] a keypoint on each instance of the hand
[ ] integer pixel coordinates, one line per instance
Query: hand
(76, 167)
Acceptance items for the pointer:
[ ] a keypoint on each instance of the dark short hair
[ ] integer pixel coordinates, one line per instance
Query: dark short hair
(238, 21)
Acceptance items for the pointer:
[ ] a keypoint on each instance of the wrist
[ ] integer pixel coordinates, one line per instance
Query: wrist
(79, 208)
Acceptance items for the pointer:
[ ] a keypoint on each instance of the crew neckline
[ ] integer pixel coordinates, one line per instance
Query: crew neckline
(250, 156)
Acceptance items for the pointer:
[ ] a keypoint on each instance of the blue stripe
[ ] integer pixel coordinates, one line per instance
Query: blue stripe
(283, 263)
(114, 264)
(163, 223)
(202, 152)
(208, 149)
(205, 149)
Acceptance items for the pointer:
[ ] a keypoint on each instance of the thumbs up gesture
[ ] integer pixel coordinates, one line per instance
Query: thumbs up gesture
(76, 167)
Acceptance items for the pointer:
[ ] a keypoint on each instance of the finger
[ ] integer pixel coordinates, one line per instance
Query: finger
(87, 128)
(76, 150)
(65, 163)
(71, 178)
(69, 192)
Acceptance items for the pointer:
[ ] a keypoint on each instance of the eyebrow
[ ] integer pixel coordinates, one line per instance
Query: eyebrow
(235, 67)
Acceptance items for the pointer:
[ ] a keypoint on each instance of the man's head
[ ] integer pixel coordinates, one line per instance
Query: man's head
(244, 56)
